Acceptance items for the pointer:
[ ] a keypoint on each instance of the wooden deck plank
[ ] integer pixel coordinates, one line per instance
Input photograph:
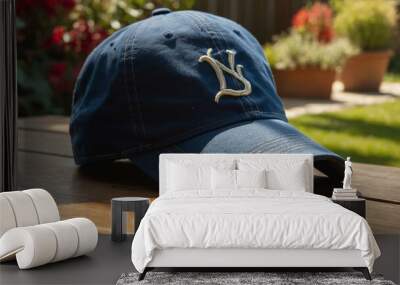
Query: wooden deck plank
(45, 160)
(384, 218)
(45, 123)
(63, 178)
(55, 143)
(377, 182)
(98, 212)
(83, 192)
(88, 192)
(50, 135)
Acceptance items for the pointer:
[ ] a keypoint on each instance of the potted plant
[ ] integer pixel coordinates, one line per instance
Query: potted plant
(304, 61)
(369, 24)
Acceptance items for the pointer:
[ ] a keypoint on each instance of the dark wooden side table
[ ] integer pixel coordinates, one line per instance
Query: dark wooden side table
(355, 205)
(119, 207)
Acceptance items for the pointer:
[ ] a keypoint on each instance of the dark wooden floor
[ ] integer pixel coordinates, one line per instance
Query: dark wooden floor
(110, 259)
(45, 160)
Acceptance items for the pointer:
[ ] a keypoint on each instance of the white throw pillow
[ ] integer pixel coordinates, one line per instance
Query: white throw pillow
(293, 180)
(188, 177)
(251, 178)
(282, 174)
(188, 174)
(230, 180)
(223, 179)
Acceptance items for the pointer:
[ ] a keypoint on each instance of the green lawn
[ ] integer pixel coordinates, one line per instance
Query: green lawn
(369, 134)
(392, 77)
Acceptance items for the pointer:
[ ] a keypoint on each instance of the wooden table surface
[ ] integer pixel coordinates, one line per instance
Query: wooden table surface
(45, 161)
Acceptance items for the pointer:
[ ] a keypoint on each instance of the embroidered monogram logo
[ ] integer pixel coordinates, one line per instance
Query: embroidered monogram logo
(235, 71)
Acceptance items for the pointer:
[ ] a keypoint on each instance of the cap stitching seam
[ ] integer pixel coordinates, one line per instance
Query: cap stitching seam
(288, 148)
(125, 59)
(78, 86)
(134, 87)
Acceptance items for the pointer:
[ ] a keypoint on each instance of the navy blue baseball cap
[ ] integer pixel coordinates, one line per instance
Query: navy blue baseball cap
(187, 82)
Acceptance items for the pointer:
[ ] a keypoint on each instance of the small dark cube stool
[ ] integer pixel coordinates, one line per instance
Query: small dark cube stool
(119, 207)
(355, 205)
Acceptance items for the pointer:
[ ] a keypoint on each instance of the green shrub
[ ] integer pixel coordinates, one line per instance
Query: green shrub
(299, 50)
(367, 23)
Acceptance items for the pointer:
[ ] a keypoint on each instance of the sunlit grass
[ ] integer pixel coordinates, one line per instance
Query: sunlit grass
(368, 134)
(392, 77)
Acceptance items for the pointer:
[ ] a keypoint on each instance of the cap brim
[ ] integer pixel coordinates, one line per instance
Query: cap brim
(259, 136)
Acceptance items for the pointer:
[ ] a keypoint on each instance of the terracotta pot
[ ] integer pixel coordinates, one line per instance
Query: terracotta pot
(304, 83)
(364, 72)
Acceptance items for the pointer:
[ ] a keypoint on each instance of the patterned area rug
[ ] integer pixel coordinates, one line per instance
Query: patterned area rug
(243, 278)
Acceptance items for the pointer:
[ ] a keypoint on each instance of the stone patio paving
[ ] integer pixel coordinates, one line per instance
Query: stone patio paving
(341, 100)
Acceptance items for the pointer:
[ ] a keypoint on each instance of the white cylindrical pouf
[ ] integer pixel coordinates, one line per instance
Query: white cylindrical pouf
(37, 245)
(33, 246)
(87, 234)
(23, 208)
(45, 205)
(30, 230)
(67, 240)
(7, 218)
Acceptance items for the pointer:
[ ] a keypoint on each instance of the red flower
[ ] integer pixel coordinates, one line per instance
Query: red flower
(58, 35)
(326, 35)
(81, 26)
(85, 36)
(300, 19)
(317, 20)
